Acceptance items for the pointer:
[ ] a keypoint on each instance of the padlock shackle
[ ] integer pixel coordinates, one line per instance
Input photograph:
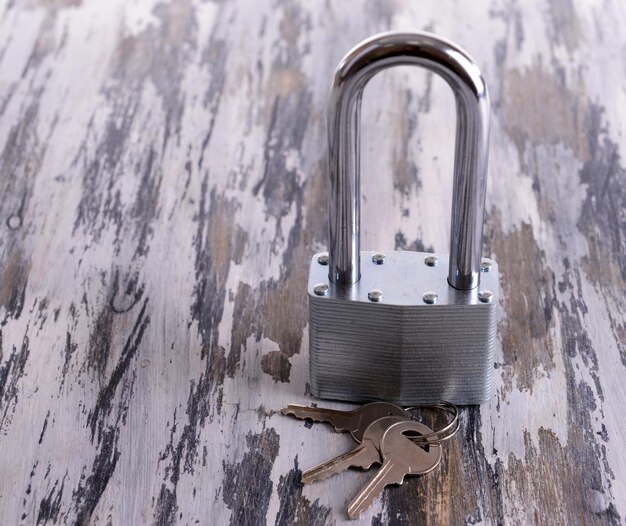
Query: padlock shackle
(470, 160)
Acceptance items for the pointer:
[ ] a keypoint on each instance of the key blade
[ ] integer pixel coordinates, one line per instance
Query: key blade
(340, 420)
(390, 473)
(363, 456)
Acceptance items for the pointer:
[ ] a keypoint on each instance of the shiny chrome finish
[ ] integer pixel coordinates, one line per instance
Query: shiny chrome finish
(432, 336)
(486, 265)
(470, 166)
(375, 295)
(486, 296)
(378, 258)
(321, 289)
(444, 433)
(402, 349)
(431, 260)
(430, 298)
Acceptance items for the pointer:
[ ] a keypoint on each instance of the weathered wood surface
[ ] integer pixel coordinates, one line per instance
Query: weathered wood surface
(162, 191)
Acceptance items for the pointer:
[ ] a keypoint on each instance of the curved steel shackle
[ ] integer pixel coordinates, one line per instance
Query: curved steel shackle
(470, 162)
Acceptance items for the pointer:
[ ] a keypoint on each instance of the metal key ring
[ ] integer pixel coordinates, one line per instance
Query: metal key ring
(443, 434)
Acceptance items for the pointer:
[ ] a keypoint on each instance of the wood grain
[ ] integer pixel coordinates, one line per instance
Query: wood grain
(162, 191)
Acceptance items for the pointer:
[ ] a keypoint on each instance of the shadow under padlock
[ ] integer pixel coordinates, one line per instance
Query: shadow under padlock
(406, 327)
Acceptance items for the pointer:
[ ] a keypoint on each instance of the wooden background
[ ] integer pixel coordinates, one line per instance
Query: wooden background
(162, 179)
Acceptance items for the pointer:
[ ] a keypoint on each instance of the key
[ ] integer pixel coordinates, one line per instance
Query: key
(354, 422)
(363, 456)
(401, 457)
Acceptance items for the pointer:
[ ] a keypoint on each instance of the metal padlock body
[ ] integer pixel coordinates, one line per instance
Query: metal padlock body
(402, 349)
(404, 346)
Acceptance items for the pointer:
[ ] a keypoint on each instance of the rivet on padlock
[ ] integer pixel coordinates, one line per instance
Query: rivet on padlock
(431, 336)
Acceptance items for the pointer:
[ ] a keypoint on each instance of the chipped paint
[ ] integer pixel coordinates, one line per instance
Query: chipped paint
(162, 168)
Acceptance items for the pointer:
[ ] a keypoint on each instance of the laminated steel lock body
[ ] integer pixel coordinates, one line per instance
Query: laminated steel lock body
(407, 327)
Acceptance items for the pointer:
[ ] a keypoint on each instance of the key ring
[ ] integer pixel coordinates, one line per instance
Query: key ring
(443, 434)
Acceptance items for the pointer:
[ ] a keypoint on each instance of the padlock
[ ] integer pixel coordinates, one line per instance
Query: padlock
(404, 326)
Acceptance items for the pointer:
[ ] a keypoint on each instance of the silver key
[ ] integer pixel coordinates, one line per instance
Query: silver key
(401, 457)
(363, 456)
(355, 422)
